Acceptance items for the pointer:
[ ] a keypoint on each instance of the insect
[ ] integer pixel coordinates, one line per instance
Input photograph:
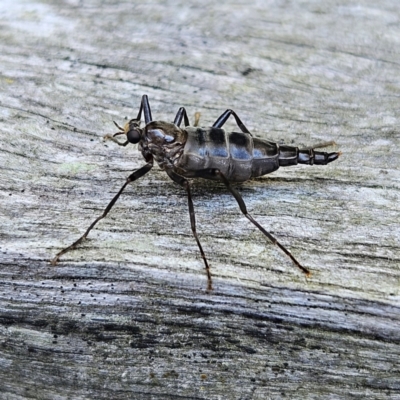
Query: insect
(210, 153)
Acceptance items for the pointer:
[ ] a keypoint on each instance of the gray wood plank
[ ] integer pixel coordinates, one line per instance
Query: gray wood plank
(127, 315)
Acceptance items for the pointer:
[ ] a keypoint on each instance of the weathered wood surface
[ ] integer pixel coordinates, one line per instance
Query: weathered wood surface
(127, 315)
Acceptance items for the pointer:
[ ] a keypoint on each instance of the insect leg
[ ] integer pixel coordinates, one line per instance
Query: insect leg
(224, 117)
(145, 107)
(135, 175)
(211, 174)
(185, 184)
(243, 209)
(183, 114)
(179, 115)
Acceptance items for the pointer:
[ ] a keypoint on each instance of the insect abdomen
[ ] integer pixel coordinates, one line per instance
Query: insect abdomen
(265, 157)
(239, 156)
(236, 154)
(289, 155)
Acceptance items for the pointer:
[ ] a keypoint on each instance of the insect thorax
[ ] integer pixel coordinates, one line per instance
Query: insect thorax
(164, 141)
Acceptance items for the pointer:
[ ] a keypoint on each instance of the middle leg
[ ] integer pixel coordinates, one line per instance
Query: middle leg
(181, 114)
(224, 117)
(185, 184)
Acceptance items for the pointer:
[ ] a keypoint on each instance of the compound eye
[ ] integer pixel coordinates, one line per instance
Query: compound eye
(133, 136)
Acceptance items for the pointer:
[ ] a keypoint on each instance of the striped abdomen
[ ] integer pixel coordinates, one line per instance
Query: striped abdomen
(239, 156)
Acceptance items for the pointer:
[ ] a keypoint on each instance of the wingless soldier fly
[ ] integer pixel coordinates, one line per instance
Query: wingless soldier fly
(209, 153)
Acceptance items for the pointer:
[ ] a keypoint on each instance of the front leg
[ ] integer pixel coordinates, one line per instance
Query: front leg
(131, 178)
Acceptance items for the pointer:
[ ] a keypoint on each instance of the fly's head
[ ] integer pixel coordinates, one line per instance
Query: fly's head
(132, 131)
(165, 142)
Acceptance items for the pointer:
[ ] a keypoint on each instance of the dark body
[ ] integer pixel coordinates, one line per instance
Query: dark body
(238, 155)
(210, 153)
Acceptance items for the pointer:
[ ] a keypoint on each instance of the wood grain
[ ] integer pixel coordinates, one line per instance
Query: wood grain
(127, 316)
